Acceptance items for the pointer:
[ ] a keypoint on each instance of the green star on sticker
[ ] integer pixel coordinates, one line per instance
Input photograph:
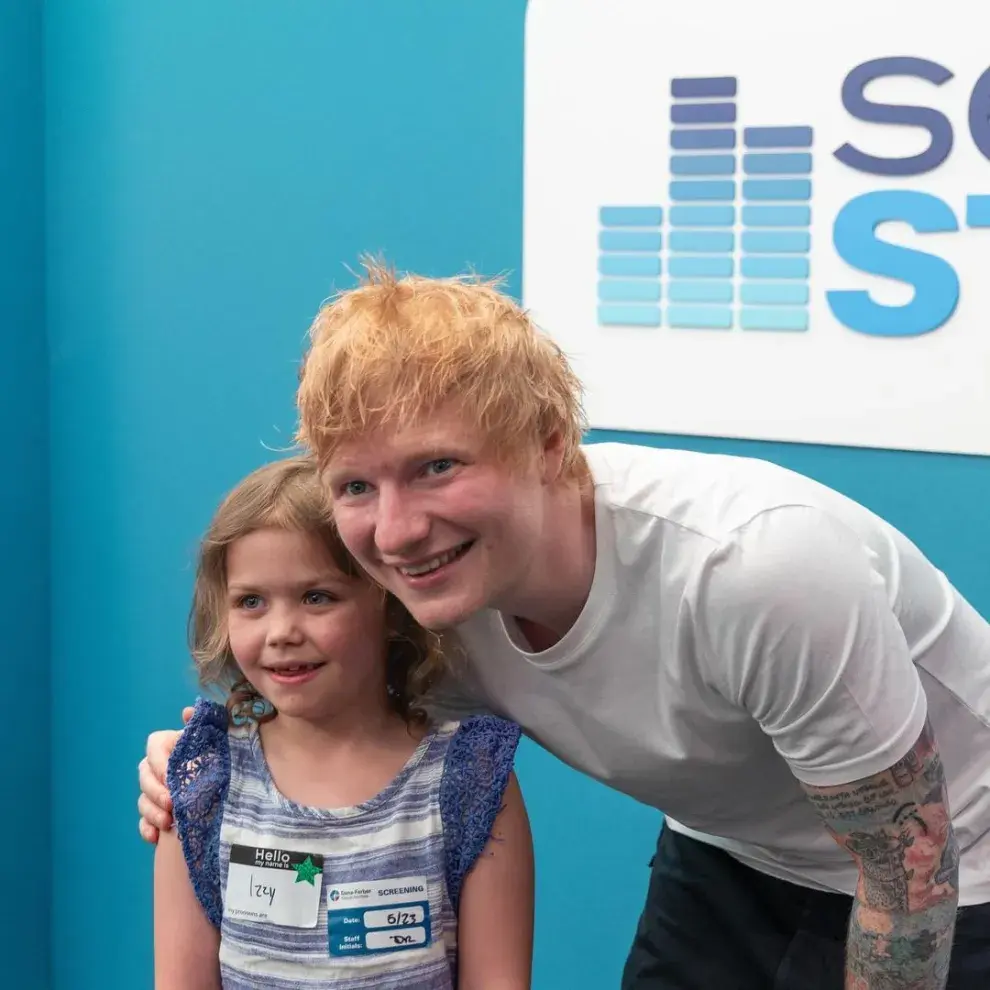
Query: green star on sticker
(306, 871)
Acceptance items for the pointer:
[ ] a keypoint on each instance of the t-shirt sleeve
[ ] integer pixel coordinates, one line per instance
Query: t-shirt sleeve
(475, 775)
(198, 778)
(798, 630)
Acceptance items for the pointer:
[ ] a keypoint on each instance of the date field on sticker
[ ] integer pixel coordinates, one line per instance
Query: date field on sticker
(394, 917)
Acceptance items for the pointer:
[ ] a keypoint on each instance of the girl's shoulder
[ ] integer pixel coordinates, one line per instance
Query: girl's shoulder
(480, 755)
(198, 780)
(481, 744)
(201, 757)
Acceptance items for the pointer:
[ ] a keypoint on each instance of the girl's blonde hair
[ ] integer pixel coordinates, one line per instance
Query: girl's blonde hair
(288, 494)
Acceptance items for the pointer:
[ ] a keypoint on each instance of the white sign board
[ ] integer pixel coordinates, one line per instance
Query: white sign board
(744, 220)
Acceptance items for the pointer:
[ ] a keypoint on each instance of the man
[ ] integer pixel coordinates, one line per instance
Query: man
(778, 670)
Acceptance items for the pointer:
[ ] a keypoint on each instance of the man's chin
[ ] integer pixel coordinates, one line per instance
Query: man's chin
(440, 616)
(437, 621)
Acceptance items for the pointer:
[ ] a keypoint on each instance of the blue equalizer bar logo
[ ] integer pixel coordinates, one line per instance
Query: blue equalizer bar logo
(729, 252)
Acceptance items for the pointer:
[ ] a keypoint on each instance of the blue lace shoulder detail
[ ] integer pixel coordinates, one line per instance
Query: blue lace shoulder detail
(475, 774)
(198, 778)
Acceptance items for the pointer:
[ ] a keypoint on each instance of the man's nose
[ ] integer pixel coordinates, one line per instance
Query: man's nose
(401, 525)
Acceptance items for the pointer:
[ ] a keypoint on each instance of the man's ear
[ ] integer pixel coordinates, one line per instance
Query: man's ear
(552, 458)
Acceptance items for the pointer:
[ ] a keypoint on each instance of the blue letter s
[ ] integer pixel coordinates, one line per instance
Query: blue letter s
(936, 285)
(935, 122)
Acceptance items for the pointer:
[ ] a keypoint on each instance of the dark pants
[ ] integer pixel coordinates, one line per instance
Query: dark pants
(711, 923)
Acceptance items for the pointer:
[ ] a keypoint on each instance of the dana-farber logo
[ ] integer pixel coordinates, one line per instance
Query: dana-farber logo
(743, 222)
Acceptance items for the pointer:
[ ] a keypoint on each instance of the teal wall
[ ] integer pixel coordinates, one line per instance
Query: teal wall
(24, 591)
(210, 168)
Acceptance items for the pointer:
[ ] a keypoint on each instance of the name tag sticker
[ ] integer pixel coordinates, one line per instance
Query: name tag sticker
(378, 916)
(277, 886)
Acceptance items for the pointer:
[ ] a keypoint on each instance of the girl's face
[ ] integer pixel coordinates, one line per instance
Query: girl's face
(308, 638)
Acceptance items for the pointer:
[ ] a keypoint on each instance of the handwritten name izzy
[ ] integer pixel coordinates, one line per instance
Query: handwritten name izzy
(264, 891)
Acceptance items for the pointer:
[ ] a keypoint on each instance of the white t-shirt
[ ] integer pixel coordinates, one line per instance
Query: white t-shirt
(747, 628)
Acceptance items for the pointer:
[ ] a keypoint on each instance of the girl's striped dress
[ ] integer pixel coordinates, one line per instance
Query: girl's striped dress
(362, 898)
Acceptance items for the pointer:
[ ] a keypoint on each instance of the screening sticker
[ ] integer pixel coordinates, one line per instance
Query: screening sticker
(378, 916)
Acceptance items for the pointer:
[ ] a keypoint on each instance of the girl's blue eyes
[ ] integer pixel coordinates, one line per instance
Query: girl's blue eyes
(318, 598)
(251, 603)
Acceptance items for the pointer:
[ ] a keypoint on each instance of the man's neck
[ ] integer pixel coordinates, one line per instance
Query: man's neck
(561, 582)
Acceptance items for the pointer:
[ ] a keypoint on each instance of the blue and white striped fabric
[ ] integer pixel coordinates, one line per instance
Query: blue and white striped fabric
(431, 822)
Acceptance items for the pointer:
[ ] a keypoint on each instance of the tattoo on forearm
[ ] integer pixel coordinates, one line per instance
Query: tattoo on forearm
(885, 877)
(896, 825)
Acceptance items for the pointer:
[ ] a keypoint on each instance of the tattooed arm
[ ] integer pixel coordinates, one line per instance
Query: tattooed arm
(896, 825)
(796, 623)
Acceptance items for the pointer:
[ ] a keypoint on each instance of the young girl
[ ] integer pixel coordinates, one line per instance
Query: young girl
(327, 834)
